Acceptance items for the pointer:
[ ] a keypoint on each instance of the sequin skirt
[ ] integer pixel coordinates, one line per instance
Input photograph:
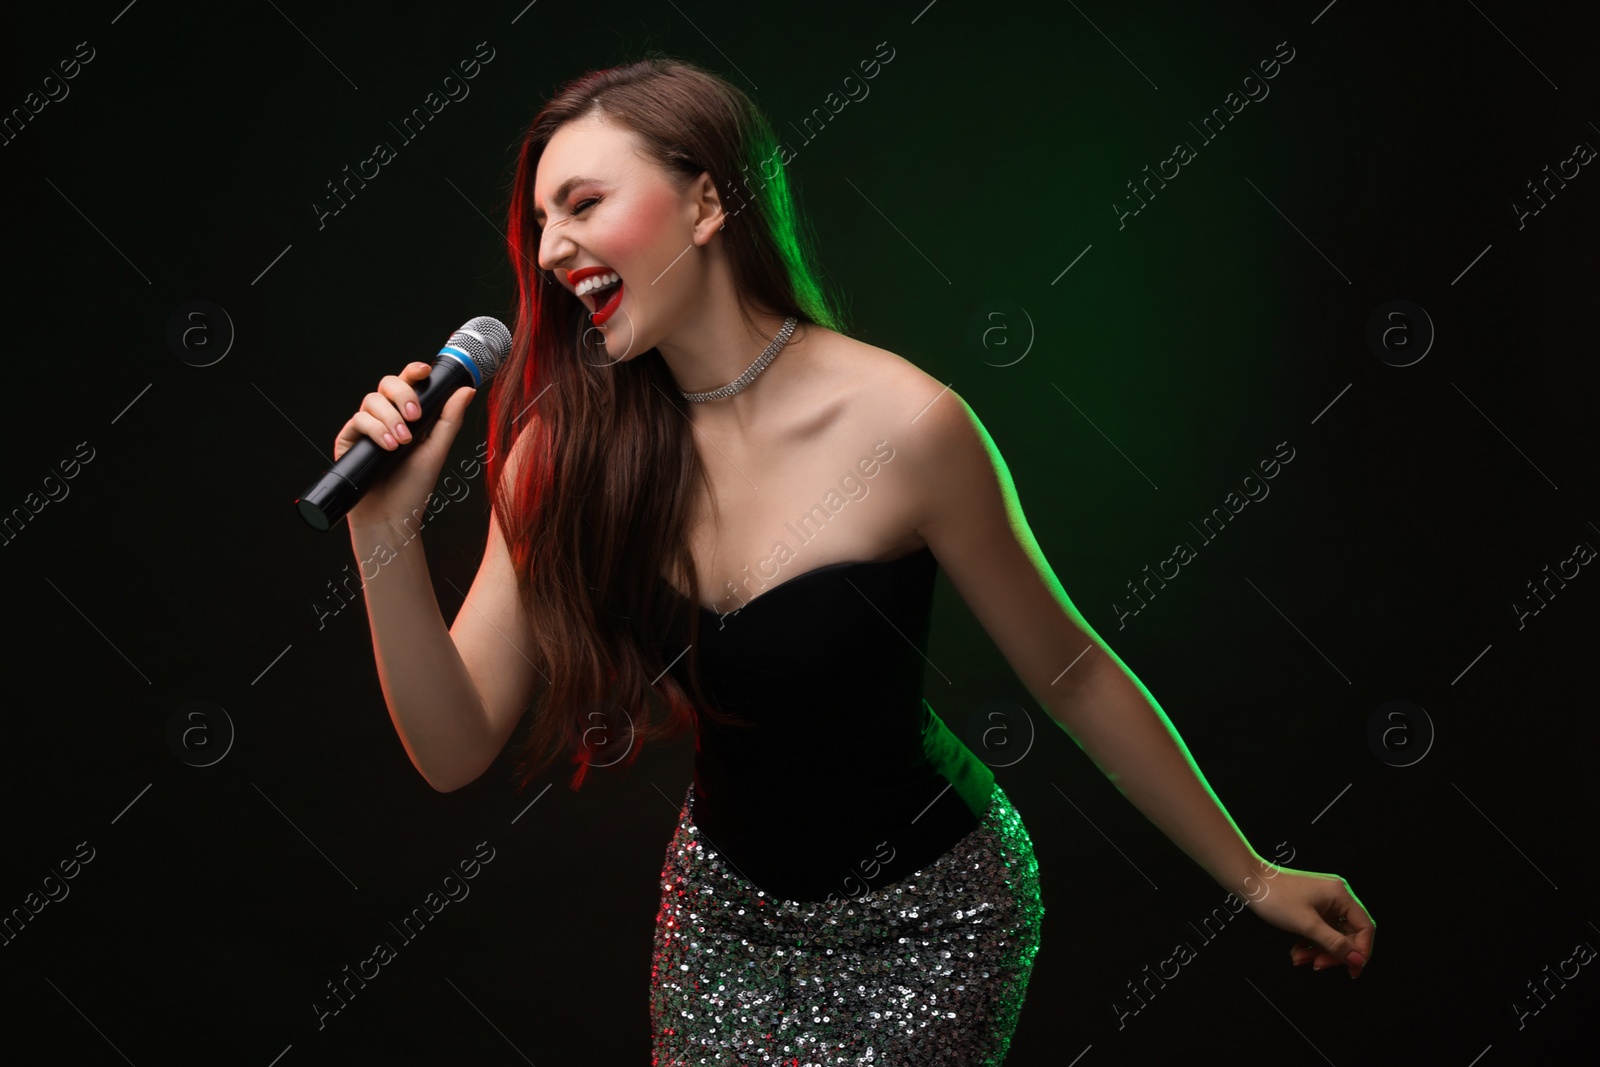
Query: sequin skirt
(929, 970)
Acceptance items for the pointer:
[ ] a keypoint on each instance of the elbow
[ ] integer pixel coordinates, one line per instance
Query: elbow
(446, 784)
(458, 766)
(450, 782)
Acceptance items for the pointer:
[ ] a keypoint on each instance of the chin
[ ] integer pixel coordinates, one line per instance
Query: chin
(617, 337)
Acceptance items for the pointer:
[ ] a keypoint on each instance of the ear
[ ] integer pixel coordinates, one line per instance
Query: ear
(707, 215)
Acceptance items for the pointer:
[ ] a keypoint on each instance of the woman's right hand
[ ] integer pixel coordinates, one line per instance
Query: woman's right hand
(404, 489)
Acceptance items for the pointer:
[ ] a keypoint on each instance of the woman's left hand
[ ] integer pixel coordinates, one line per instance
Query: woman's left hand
(1333, 925)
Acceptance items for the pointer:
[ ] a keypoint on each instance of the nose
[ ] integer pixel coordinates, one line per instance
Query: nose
(554, 248)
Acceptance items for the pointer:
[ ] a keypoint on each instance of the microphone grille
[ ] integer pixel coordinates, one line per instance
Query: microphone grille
(487, 341)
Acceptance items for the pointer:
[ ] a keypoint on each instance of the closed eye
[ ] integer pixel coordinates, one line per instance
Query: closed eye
(584, 204)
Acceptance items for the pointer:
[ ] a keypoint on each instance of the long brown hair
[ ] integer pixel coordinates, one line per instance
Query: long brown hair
(603, 487)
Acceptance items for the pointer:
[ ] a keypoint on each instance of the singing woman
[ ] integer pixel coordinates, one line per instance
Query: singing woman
(715, 511)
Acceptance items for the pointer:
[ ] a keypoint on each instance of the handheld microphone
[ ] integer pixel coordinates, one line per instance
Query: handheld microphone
(471, 357)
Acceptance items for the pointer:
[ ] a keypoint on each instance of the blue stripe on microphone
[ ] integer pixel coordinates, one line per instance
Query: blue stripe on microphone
(472, 368)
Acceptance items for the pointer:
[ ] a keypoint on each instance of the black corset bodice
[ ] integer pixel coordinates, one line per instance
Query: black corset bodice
(847, 779)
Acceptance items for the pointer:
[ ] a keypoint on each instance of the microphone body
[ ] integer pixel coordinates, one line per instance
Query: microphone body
(470, 358)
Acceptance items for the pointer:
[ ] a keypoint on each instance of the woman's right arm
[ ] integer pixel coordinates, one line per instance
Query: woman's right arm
(454, 694)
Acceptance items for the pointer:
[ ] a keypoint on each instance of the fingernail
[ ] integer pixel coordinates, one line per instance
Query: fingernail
(1356, 959)
(402, 431)
(411, 410)
(388, 439)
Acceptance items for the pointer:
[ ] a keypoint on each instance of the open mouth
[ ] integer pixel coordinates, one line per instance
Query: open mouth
(606, 301)
(600, 289)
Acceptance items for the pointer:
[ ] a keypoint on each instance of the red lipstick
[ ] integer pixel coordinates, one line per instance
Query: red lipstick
(600, 315)
(576, 276)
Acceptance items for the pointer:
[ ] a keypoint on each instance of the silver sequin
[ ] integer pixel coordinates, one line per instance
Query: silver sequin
(931, 969)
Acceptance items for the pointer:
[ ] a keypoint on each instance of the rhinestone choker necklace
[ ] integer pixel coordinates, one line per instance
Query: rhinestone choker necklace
(768, 354)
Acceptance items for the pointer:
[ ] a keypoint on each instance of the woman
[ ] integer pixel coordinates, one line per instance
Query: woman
(709, 489)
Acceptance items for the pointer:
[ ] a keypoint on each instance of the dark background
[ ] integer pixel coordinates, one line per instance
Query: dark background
(1184, 344)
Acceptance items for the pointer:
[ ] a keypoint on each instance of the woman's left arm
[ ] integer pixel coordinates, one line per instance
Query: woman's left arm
(974, 524)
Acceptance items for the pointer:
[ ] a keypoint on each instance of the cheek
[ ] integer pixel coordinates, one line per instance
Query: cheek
(646, 229)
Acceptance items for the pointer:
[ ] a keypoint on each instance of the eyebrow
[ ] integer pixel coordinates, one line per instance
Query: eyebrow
(562, 192)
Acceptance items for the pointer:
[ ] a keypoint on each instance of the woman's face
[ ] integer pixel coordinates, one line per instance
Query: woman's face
(610, 212)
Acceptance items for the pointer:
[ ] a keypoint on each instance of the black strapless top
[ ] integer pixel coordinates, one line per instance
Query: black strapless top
(848, 780)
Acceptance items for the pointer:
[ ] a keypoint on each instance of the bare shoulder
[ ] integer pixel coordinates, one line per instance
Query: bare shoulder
(932, 431)
(887, 390)
(954, 493)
